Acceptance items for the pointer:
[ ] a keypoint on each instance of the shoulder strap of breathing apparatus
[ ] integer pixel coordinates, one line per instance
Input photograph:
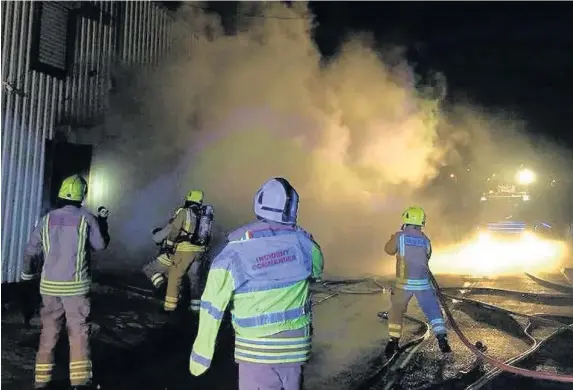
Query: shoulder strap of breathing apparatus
(200, 217)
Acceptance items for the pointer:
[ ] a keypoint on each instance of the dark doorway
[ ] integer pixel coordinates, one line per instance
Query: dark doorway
(63, 159)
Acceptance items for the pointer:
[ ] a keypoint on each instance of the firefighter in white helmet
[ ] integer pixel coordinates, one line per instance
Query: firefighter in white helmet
(264, 270)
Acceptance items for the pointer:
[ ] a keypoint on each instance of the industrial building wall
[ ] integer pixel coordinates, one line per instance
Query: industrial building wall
(57, 59)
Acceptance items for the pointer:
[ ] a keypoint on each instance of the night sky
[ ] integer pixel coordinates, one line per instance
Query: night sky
(511, 56)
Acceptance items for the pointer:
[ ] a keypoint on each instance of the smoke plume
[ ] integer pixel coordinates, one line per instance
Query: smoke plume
(357, 135)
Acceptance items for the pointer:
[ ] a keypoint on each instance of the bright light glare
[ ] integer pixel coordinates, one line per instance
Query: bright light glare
(98, 187)
(483, 237)
(526, 198)
(525, 176)
(487, 256)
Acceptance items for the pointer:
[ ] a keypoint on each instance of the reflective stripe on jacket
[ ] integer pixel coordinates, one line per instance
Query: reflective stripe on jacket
(413, 250)
(65, 236)
(183, 224)
(264, 269)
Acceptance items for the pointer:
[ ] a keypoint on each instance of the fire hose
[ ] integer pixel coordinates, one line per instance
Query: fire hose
(333, 288)
(535, 344)
(546, 283)
(516, 359)
(499, 366)
(494, 362)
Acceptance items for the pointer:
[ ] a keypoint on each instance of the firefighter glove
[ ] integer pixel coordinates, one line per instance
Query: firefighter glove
(102, 212)
(169, 249)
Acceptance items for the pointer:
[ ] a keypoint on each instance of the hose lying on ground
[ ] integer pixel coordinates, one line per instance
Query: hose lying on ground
(496, 363)
(502, 366)
(499, 366)
(556, 299)
(483, 380)
(334, 288)
(547, 283)
(383, 370)
(535, 344)
(540, 317)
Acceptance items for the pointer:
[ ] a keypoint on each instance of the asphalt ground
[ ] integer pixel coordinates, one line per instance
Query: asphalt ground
(502, 333)
(135, 347)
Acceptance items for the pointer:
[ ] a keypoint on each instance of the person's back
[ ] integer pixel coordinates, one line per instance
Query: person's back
(68, 234)
(271, 276)
(65, 237)
(185, 252)
(413, 250)
(264, 269)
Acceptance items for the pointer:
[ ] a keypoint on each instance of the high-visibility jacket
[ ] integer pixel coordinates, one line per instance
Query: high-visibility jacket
(66, 237)
(413, 250)
(264, 269)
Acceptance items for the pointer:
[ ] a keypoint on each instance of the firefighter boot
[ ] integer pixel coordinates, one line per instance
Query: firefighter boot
(443, 343)
(391, 347)
(84, 387)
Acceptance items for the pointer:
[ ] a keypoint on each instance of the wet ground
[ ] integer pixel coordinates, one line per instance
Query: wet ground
(135, 347)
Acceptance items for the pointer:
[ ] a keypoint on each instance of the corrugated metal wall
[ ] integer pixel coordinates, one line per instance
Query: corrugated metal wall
(35, 103)
(144, 34)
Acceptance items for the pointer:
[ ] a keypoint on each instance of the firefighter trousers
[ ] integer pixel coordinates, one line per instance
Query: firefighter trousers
(427, 300)
(182, 263)
(254, 376)
(157, 269)
(75, 310)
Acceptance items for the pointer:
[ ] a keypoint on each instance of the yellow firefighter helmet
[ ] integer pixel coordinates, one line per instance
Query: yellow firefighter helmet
(73, 188)
(414, 215)
(194, 196)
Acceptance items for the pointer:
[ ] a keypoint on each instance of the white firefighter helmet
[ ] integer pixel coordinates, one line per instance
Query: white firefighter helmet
(277, 201)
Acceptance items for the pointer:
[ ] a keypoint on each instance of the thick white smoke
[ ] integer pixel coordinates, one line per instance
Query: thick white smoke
(356, 136)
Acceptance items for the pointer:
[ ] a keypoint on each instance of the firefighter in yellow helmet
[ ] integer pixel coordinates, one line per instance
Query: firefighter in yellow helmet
(65, 237)
(186, 241)
(413, 250)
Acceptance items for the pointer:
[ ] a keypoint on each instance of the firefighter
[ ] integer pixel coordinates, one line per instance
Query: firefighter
(185, 248)
(65, 237)
(156, 270)
(264, 268)
(413, 250)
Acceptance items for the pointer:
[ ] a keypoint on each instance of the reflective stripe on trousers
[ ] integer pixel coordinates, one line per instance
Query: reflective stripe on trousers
(157, 279)
(181, 263)
(156, 271)
(428, 302)
(75, 310)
